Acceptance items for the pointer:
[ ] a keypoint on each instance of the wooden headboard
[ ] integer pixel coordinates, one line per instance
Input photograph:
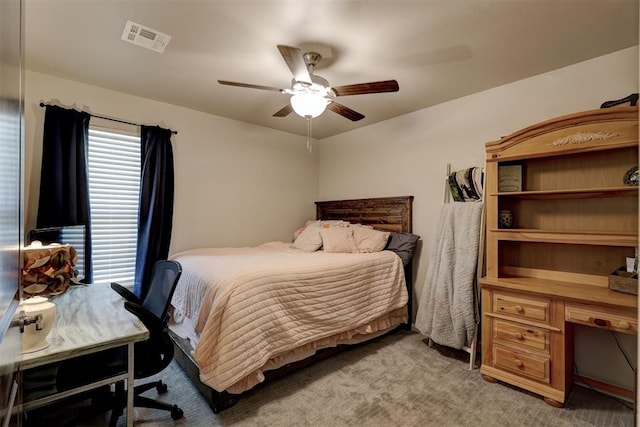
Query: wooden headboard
(383, 213)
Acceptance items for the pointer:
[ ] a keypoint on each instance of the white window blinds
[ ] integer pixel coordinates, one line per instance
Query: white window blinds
(114, 188)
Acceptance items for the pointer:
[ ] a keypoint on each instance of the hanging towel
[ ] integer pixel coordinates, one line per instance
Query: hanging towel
(446, 313)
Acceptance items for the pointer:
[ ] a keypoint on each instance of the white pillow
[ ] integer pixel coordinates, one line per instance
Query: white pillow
(301, 229)
(369, 240)
(308, 237)
(338, 239)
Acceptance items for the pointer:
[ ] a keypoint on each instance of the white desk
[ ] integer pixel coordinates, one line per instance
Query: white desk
(89, 319)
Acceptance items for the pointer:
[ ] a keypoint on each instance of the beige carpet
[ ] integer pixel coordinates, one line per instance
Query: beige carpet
(395, 381)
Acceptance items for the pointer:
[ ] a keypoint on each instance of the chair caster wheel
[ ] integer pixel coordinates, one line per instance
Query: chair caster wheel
(161, 387)
(176, 413)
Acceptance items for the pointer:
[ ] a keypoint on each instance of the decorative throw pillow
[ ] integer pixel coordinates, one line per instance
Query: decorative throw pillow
(338, 239)
(369, 240)
(404, 244)
(301, 229)
(309, 239)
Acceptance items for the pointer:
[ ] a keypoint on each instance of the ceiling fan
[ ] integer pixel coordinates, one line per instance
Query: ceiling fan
(312, 94)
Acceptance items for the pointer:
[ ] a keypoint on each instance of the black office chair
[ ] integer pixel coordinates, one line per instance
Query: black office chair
(151, 356)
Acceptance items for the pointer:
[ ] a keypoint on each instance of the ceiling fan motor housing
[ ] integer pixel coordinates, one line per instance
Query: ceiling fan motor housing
(319, 86)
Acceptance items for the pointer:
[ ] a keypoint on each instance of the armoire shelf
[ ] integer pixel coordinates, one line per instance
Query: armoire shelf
(572, 193)
(579, 237)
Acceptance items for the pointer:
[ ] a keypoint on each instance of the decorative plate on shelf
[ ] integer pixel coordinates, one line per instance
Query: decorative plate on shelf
(631, 177)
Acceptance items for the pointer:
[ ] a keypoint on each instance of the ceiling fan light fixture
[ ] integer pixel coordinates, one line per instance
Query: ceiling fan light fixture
(308, 104)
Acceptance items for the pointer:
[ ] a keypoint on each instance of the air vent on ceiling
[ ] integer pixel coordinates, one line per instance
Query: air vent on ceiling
(145, 37)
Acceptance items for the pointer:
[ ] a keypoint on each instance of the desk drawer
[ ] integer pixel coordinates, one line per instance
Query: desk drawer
(527, 336)
(521, 308)
(601, 318)
(528, 365)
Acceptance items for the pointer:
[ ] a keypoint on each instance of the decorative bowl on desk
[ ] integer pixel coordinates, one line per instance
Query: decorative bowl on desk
(35, 334)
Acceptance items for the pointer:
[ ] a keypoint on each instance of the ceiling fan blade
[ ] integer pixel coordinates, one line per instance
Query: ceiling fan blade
(284, 111)
(295, 61)
(250, 86)
(364, 88)
(347, 112)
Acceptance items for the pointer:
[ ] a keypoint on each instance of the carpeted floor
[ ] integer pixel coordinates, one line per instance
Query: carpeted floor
(394, 381)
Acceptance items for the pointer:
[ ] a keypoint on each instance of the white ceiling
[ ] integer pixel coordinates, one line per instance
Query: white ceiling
(436, 50)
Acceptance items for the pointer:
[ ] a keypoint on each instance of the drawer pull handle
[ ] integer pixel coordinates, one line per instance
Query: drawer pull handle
(601, 322)
(519, 308)
(519, 336)
(624, 325)
(519, 363)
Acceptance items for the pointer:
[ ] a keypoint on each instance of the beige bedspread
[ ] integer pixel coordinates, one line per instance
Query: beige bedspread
(261, 307)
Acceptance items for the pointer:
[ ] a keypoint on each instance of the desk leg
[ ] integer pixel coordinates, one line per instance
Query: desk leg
(130, 384)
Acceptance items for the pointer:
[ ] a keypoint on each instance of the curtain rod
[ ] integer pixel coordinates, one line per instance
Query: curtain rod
(175, 132)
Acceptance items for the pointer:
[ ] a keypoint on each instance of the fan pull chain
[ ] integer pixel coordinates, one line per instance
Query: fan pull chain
(309, 133)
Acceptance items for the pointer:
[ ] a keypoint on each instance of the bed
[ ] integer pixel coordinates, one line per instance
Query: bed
(243, 316)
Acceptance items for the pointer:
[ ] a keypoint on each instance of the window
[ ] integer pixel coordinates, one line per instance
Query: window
(114, 188)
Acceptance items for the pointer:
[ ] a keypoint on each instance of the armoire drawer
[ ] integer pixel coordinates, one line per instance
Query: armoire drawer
(519, 334)
(527, 365)
(521, 308)
(601, 318)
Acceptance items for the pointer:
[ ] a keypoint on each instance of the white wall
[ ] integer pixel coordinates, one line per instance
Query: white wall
(408, 156)
(236, 184)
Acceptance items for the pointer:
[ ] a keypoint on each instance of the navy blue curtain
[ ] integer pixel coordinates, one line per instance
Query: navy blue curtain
(155, 218)
(64, 186)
